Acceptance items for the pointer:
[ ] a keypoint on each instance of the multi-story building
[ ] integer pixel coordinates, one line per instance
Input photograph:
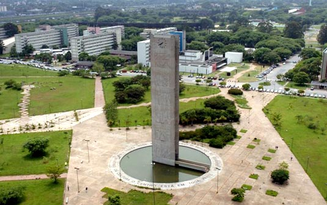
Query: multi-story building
(46, 35)
(143, 48)
(37, 39)
(163, 31)
(92, 44)
(2, 33)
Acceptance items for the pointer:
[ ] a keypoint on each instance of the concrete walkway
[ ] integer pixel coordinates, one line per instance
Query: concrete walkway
(99, 93)
(239, 163)
(28, 177)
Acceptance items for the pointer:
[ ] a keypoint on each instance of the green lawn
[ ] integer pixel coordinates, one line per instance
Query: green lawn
(70, 93)
(250, 76)
(39, 192)
(190, 91)
(135, 197)
(142, 114)
(23, 70)
(294, 85)
(17, 161)
(241, 101)
(9, 100)
(305, 143)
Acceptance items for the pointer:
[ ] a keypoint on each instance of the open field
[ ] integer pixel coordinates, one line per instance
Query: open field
(136, 197)
(39, 192)
(23, 70)
(56, 94)
(143, 115)
(250, 76)
(308, 145)
(190, 91)
(17, 161)
(9, 100)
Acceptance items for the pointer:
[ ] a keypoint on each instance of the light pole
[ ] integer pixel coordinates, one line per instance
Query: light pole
(217, 179)
(88, 149)
(77, 179)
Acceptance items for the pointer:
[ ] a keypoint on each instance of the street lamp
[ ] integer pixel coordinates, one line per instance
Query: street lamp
(77, 179)
(217, 179)
(88, 149)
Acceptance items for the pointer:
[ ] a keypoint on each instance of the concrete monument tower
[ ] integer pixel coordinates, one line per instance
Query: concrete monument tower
(165, 98)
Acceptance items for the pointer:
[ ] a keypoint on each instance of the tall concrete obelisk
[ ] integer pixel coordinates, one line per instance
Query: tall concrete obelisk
(164, 57)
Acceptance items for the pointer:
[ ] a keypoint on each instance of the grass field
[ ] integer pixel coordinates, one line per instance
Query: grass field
(17, 161)
(190, 91)
(250, 76)
(9, 100)
(39, 192)
(308, 145)
(135, 197)
(23, 70)
(142, 114)
(294, 85)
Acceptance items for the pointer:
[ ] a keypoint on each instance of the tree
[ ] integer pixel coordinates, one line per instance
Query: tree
(280, 77)
(293, 29)
(131, 44)
(307, 53)
(98, 67)
(322, 36)
(206, 23)
(276, 118)
(37, 146)
(196, 45)
(54, 172)
(11, 29)
(283, 52)
(300, 91)
(68, 56)
(83, 56)
(239, 194)
(265, 27)
(182, 87)
(2, 47)
(260, 87)
(110, 62)
(271, 58)
(301, 78)
(143, 11)
(28, 50)
(44, 46)
(111, 112)
(280, 176)
(11, 195)
(260, 53)
(246, 86)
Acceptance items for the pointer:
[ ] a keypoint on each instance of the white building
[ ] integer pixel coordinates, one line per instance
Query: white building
(143, 48)
(92, 44)
(37, 39)
(8, 43)
(234, 57)
(46, 35)
(3, 8)
(117, 30)
(147, 32)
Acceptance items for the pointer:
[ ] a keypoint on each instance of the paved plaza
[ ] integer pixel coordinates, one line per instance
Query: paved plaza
(239, 162)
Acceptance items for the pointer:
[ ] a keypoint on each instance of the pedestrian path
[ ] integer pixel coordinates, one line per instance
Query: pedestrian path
(28, 177)
(99, 93)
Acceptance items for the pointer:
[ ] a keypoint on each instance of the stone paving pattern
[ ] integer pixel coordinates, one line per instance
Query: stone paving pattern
(238, 163)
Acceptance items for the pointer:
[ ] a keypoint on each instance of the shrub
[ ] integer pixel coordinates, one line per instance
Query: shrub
(250, 146)
(12, 195)
(239, 194)
(266, 158)
(271, 192)
(246, 187)
(260, 167)
(36, 146)
(246, 86)
(254, 176)
(272, 150)
(114, 200)
(234, 91)
(63, 73)
(243, 131)
(280, 176)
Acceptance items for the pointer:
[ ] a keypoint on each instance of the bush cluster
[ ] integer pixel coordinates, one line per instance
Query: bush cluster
(131, 90)
(12, 195)
(217, 109)
(235, 91)
(13, 84)
(218, 136)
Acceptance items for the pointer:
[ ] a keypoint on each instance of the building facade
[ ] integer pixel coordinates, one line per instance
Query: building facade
(92, 44)
(323, 70)
(46, 35)
(143, 48)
